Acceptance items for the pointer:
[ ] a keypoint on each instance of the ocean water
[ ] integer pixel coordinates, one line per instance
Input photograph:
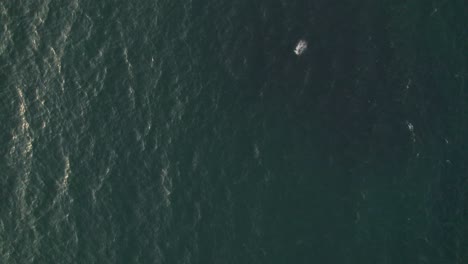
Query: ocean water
(157, 131)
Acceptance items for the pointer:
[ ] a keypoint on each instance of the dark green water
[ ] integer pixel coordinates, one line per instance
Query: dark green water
(189, 132)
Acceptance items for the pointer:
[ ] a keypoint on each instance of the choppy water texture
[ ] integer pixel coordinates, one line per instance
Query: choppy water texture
(189, 132)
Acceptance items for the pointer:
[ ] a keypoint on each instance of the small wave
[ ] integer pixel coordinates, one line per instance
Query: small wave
(5, 32)
(66, 172)
(63, 184)
(20, 160)
(256, 151)
(22, 149)
(103, 176)
(166, 184)
(131, 91)
(40, 16)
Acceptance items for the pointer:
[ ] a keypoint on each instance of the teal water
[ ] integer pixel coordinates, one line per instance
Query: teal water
(189, 132)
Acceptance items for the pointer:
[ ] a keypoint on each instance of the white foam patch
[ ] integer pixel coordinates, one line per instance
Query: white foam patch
(301, 47)
(411, 130)
(66, 172)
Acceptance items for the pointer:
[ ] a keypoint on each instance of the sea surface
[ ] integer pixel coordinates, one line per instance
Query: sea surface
(188, 131)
